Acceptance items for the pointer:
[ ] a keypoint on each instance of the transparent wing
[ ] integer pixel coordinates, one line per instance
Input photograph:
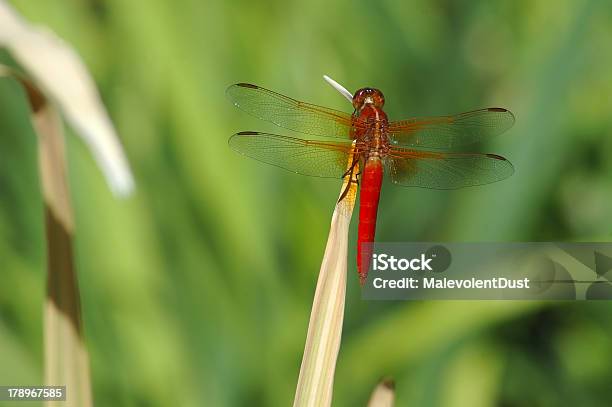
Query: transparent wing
(306, 157)
(290, 113)
(448, 132)
(445, 170)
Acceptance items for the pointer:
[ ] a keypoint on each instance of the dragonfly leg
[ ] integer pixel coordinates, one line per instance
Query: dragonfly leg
(349, 173)
(345, 192)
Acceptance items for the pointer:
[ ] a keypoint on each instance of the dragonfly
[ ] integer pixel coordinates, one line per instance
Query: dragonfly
(426, 152)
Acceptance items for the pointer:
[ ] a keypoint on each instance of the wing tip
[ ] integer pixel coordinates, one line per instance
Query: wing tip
(231, 89)
(504, 160)
(497, 157)
(508, 167)
(503, 110)
(247, 85)
(234, 138)
(247, 133)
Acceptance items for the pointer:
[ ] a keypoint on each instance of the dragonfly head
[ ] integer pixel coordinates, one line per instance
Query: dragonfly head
(368, 96)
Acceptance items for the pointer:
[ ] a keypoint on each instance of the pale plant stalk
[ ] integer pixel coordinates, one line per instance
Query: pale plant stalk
(383, 394)
(66, 357)
(343, 91)
(315, 383)
(67, 360)
(316, 379)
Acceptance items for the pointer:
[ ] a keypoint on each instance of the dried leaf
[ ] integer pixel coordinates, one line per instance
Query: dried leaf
(315, 383)
(59, 73)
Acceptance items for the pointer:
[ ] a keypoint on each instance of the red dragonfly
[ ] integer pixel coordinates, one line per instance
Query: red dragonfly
(417, 152)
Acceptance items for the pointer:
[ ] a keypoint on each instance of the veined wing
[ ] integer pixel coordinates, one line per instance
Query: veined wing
(306, 157)
(290, 113)
(448, 132)
(438, 170)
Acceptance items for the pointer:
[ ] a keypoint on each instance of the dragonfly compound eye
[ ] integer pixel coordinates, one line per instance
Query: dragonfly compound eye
(368, 96)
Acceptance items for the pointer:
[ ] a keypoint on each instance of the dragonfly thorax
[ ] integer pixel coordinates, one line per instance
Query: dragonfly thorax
(370, 129)
(371, 114)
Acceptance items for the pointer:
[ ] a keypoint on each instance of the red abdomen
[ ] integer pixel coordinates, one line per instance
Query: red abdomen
(371, 180)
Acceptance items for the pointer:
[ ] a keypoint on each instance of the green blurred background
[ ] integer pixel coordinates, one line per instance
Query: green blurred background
(197, 290)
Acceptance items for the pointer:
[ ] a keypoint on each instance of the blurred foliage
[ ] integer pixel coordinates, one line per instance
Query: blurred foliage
(197, 290)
